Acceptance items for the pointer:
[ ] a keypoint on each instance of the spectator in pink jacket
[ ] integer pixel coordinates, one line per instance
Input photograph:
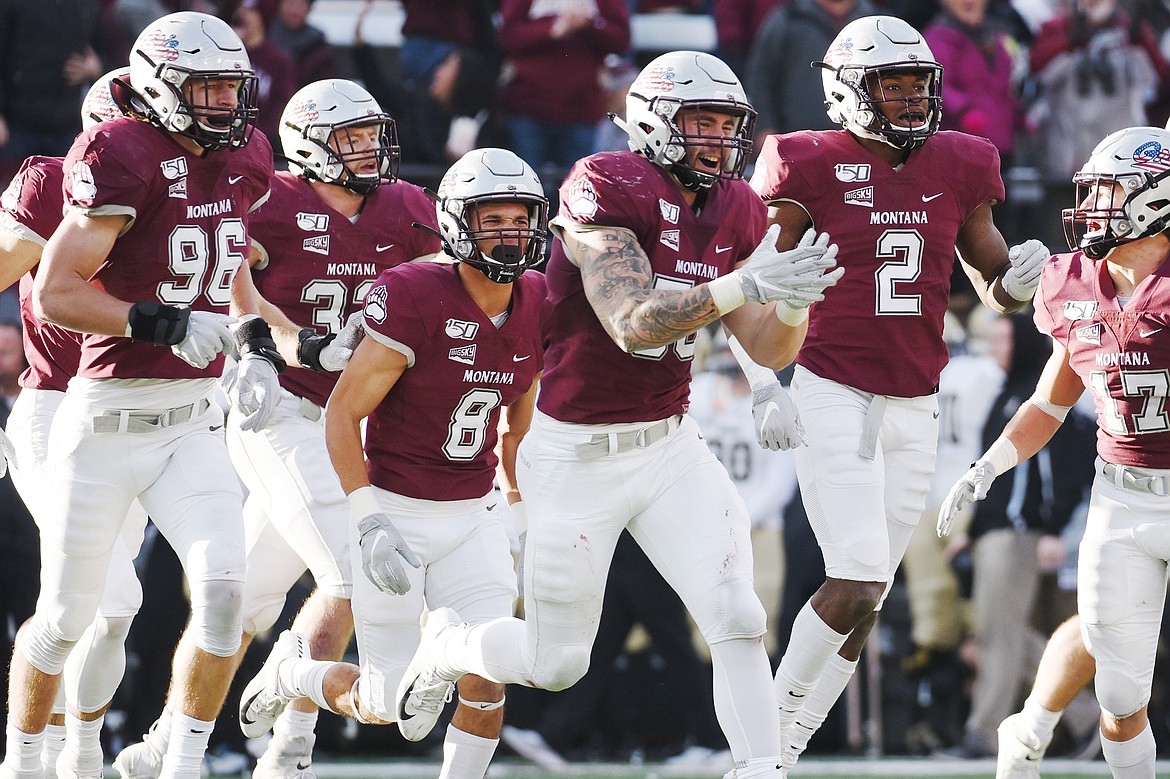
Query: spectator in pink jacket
(977, 71)
(554, 54)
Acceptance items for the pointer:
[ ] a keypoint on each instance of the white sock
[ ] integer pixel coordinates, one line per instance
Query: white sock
(466, 756)
(187, 745)
(761, 766)
(159, 734)
(744, 703)
(1133, 759)
(83, 740)
(838, 671)
(292, 723)
(812, 645)
(1040, 720)
(54, 743)
(22, 751)
(305, 678)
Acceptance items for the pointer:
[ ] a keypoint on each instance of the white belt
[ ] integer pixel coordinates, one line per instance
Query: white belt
(607, 444)
(1128, 477)
(126, 421)
(872, 426)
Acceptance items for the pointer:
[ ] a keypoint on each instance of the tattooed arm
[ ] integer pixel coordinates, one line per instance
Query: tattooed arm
(617, 277)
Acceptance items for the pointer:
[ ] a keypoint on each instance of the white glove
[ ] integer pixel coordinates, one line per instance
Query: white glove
(1022, 278)
(777, 424)
(257, 391)
(335, 355)
(7, 453)
(798, 276)
(973, 486)
(383, 550)
(207, 336)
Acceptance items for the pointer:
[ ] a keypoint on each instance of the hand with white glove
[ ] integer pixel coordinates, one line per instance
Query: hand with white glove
(383, 552)
(797, 277)
(208, 334)
(777, 423)
(973, 486)
(257, 391)
(7, 453)
(1023, 277)
(331, 353)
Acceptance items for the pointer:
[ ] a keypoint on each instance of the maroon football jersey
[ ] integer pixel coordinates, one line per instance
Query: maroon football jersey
(187, 238)
(33, 202)
(1122, 355)
(588, 378)
(319, 265)
(879, 329)
(434, 435)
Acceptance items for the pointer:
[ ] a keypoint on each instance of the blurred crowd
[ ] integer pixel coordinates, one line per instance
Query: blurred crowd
(1044, 80)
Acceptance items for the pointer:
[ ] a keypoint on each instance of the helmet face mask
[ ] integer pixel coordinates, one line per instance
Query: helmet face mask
(1123, 192)
(669, 113)
(180, 66)
(864, 53)
(334, 131)
(467, 216)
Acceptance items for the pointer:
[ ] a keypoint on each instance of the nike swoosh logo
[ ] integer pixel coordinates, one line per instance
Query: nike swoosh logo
(936, 415)
(213, 428)
(234, 179)
(928, 198)
(1145, 334)
(381, 248)
(721, 249)
(303, 766)
(518, 358)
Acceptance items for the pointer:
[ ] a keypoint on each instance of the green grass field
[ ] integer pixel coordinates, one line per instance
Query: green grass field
(891, 768)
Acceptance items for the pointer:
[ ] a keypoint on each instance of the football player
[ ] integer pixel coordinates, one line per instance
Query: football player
(901, 199)
(656, 242)
(1104, 305)
(448, 348)
(30, 210)
(150, 253)
(335, 220)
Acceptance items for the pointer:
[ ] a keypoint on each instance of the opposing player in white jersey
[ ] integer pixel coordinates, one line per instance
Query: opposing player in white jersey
(900, 199)
(1105, 305)
(333, 222)
(30, 211)
(656, 242)
(449, 347)
(155, 211)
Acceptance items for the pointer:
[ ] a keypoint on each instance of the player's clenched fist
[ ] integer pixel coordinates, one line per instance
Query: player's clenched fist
(777, 422)
(1023, 277)
(383, 552)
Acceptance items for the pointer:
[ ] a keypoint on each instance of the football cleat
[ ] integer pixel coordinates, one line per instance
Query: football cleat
(142, 760)
(71, 765)
(423, 692)
(288, 757)
(1020, 750)
(264, 698)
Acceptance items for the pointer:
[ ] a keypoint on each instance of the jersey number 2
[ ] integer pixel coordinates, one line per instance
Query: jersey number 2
(904, 247)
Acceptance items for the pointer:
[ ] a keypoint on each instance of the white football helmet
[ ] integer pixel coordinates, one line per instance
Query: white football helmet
(98, 105)
(492, 176)
(686, 80)
(314, 131)
(187, 45)
(1137, 160)
(862, 52)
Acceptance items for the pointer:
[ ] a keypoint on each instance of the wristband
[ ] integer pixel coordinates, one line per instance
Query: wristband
(363, 503)
(309, 346)
(1002, 456)
(793, 317)
(157, 323)
(757, 375)
(726, 293)
(254, 336)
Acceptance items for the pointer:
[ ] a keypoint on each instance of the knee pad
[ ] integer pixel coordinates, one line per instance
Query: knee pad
(262, 614)
(217, 616)
(737, 613)
(1120, 696)
(561, 667)
(113, 629)
(43, 645)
